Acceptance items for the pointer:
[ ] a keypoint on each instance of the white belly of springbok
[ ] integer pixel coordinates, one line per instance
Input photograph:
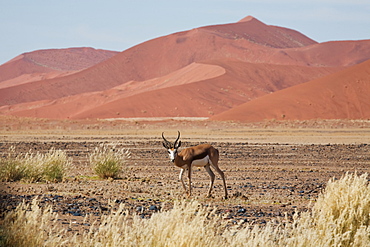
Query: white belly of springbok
(201, 162)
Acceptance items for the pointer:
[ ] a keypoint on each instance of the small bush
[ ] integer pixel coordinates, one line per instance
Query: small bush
(107, 161)
(54, 165)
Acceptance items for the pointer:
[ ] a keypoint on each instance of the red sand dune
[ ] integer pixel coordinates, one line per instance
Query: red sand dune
(257, 32)
(50, 63)
(37, 76)
(161, 56)
(334, 53)
(342, 95)
(246, 60)
(198, 99)
(198, 90)
(69, 106)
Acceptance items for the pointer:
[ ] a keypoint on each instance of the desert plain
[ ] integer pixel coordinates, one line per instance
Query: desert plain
(256, 92)
(273, 169)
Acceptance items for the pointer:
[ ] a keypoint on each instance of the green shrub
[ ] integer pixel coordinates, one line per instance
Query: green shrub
(108, 161)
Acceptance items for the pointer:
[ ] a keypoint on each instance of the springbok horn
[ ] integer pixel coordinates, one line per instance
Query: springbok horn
(167, 142)
(178, 137)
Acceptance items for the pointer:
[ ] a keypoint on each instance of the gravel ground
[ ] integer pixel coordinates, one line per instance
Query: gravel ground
(266, 181)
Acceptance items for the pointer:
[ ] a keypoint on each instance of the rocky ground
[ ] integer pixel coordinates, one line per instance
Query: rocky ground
(266, 180)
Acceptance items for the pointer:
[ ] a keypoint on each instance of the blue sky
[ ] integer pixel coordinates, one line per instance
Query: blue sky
(28, 25)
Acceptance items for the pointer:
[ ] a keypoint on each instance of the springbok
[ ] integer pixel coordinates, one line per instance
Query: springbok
(203, 155)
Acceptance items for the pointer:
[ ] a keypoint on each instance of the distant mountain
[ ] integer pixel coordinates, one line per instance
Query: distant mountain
(197, 73)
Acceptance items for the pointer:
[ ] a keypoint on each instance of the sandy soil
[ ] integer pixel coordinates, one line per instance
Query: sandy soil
(271, 171)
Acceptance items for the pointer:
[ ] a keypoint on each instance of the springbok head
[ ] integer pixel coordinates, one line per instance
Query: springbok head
(172, 148)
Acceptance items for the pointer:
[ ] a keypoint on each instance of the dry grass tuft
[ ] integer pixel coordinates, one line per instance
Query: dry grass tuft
(12, 167)
(340, 217)
(108, 161)
(187, 224)
(34, 167)
(30, 225)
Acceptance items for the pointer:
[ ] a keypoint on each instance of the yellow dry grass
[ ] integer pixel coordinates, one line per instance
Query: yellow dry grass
(340, 217)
